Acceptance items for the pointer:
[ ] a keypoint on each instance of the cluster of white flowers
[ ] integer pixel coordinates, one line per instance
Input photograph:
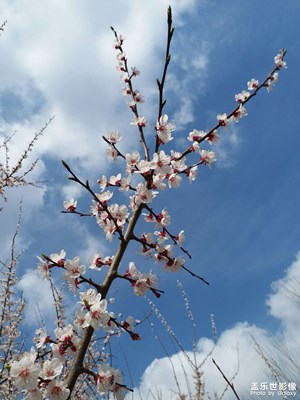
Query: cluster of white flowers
(55, 259)
(158, 248)
(141, 283)
(112, 219)
(39, 376)
(39, 379)
(110, 380)
(278, 59)
(97, 261)
(96, 314)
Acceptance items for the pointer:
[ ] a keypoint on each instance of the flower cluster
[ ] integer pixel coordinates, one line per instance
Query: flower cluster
(141, 283)
(112, 219)
(157, 246)
(66, 343)
(40, 377)
(73, 269)
(39, 380)
(96, 314)
(110, 380)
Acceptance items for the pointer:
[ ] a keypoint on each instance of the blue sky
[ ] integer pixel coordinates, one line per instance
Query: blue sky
(241, 218)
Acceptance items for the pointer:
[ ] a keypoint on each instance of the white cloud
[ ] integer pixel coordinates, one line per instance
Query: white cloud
(64, 50)
(38, 297)
(284, 302)
(31, 199)
(185, 113)
(200, 62)
(90, 244)
(235, 352)
(70, 191)
(227, 147)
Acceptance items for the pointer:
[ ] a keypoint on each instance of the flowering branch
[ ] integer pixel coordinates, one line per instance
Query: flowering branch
(242, 98)
(111, 275)
(74, 268)
(136, 98)
(11, 313)
(153, 172)
(171, 262)
(177, 239)
(145, 177)
(119, 154)
(13, 176)
(103, 205)
(137, 283)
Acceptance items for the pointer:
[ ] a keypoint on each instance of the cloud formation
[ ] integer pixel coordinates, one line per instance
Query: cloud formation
(235, 352)
(38, 297)
(59, 60)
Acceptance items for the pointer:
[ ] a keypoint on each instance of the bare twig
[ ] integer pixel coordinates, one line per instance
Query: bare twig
(161, 83)
(227, 381)
(2, 27)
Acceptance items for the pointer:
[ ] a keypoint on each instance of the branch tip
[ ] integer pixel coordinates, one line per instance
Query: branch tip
(169, 15)
(66, 165)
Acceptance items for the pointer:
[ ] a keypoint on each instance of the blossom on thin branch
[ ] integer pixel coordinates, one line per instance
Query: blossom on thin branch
(14, 175)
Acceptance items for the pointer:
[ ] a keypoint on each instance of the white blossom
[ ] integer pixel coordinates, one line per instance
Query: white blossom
(207, 157)
(143, 194)
(57, 390)
(108, 379)
(51, 369)
(112, 153)
(195, 135)
(253, 84)
(74, 268)
(25, 371)
(164, 129)
(70, 205)
(97, 315)
(243, 96)
(113, 137)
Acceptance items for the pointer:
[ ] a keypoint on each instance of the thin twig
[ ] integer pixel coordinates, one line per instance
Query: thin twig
(2, 26)
(161, 83)
(227, 381)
